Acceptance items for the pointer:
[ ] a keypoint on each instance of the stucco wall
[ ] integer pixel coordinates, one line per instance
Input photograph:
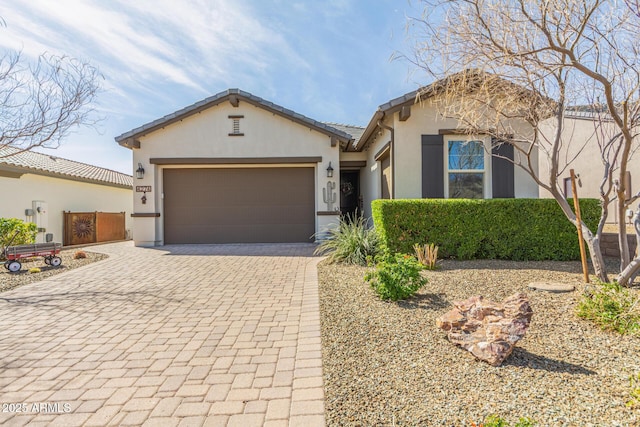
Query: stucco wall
(60, 195)
(581, 152)
(206, 135)
(424, 120)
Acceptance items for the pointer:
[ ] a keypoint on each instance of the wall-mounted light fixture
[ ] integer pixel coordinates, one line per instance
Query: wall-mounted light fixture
(329, 171)
(140, 171)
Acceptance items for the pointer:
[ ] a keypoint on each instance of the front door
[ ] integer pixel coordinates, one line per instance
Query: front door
(349, 192)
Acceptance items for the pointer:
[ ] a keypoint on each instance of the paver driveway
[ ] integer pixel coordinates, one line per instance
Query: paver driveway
(180, 335)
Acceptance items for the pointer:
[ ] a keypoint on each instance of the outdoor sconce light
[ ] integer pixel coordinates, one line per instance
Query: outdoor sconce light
(140, 171)
(329, 171)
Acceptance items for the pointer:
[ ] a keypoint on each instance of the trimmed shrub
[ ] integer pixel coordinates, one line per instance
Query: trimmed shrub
(512, 229)
(10, 226)
(79, 255)
(353, 241)
(397, 277)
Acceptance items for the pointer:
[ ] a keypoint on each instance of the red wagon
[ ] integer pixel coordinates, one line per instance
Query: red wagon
(49, 251)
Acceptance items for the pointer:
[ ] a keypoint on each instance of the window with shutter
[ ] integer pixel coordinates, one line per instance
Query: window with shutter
(467, 167)
(462, 166)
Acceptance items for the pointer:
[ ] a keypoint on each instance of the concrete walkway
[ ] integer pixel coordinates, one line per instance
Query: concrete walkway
(190, 335)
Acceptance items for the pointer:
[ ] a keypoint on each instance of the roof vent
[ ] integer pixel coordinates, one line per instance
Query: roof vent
(236, 126)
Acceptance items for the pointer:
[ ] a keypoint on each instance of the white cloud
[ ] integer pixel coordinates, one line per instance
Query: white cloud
(161, 55)
(190, 44)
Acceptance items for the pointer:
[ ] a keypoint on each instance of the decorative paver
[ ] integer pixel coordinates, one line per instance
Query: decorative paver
(553, 287)
(178, 335)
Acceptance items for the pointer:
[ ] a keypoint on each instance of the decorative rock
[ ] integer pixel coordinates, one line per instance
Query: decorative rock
(551, 287)
(487, 329)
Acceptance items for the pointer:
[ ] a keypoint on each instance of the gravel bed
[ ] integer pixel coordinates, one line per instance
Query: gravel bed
(13, 280)
(386, 363)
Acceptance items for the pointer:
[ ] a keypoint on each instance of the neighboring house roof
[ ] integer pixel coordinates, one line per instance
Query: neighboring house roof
(129, 139)
(588, 112)
(15, 162)
(354, 131)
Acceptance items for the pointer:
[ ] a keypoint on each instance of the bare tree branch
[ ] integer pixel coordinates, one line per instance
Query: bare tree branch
(41, 102)
(523, 67)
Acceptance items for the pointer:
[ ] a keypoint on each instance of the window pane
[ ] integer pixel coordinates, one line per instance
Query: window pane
(466, 155)
(466, 185)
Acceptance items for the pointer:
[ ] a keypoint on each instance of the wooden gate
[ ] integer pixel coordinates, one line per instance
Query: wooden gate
(93, 227)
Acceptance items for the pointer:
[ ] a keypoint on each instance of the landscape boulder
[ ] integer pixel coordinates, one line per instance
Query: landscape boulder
(488, 330)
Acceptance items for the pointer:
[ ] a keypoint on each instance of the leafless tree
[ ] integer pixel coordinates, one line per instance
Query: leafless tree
(41, 101)
(516, 69)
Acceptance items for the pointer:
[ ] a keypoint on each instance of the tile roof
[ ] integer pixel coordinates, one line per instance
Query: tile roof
(422, 93)
(45, 164)
(126, 139)
(354, 131)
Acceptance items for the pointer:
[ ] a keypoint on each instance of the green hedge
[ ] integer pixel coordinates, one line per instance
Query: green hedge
(515, 229)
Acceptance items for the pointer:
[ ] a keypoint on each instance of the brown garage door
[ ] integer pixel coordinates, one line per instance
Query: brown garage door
(243, 205)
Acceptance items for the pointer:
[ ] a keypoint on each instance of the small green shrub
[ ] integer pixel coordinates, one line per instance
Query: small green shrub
(497, 421)
(26, 232)
(351, 242)
(634, 384)
(612, 308)
(34, 270)
(525, 422)
(79, 255)
(396, 277)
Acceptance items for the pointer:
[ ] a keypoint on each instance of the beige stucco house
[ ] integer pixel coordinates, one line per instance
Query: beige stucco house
(584, 133)
(237, 168)
(38, 187)
(421, 154)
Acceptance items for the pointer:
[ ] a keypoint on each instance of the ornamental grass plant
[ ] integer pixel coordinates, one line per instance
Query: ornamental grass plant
(353, 241)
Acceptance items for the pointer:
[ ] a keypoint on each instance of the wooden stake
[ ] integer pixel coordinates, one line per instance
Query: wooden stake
(576, 204)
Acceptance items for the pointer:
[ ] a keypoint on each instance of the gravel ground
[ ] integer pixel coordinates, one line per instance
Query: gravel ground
(387, 364)
(13, 280)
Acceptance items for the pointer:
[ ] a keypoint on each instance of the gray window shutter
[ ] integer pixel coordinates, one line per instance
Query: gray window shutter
(502, 171)
(432, 166)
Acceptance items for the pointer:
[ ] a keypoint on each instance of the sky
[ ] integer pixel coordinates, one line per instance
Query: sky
(329, 60)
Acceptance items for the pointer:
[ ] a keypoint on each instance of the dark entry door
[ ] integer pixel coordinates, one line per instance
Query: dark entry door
(349, 192)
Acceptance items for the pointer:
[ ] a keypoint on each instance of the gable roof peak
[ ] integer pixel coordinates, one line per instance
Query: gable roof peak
(128, 139)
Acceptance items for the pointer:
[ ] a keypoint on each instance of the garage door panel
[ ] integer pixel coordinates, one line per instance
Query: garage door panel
(280, 233)
(239, 205)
